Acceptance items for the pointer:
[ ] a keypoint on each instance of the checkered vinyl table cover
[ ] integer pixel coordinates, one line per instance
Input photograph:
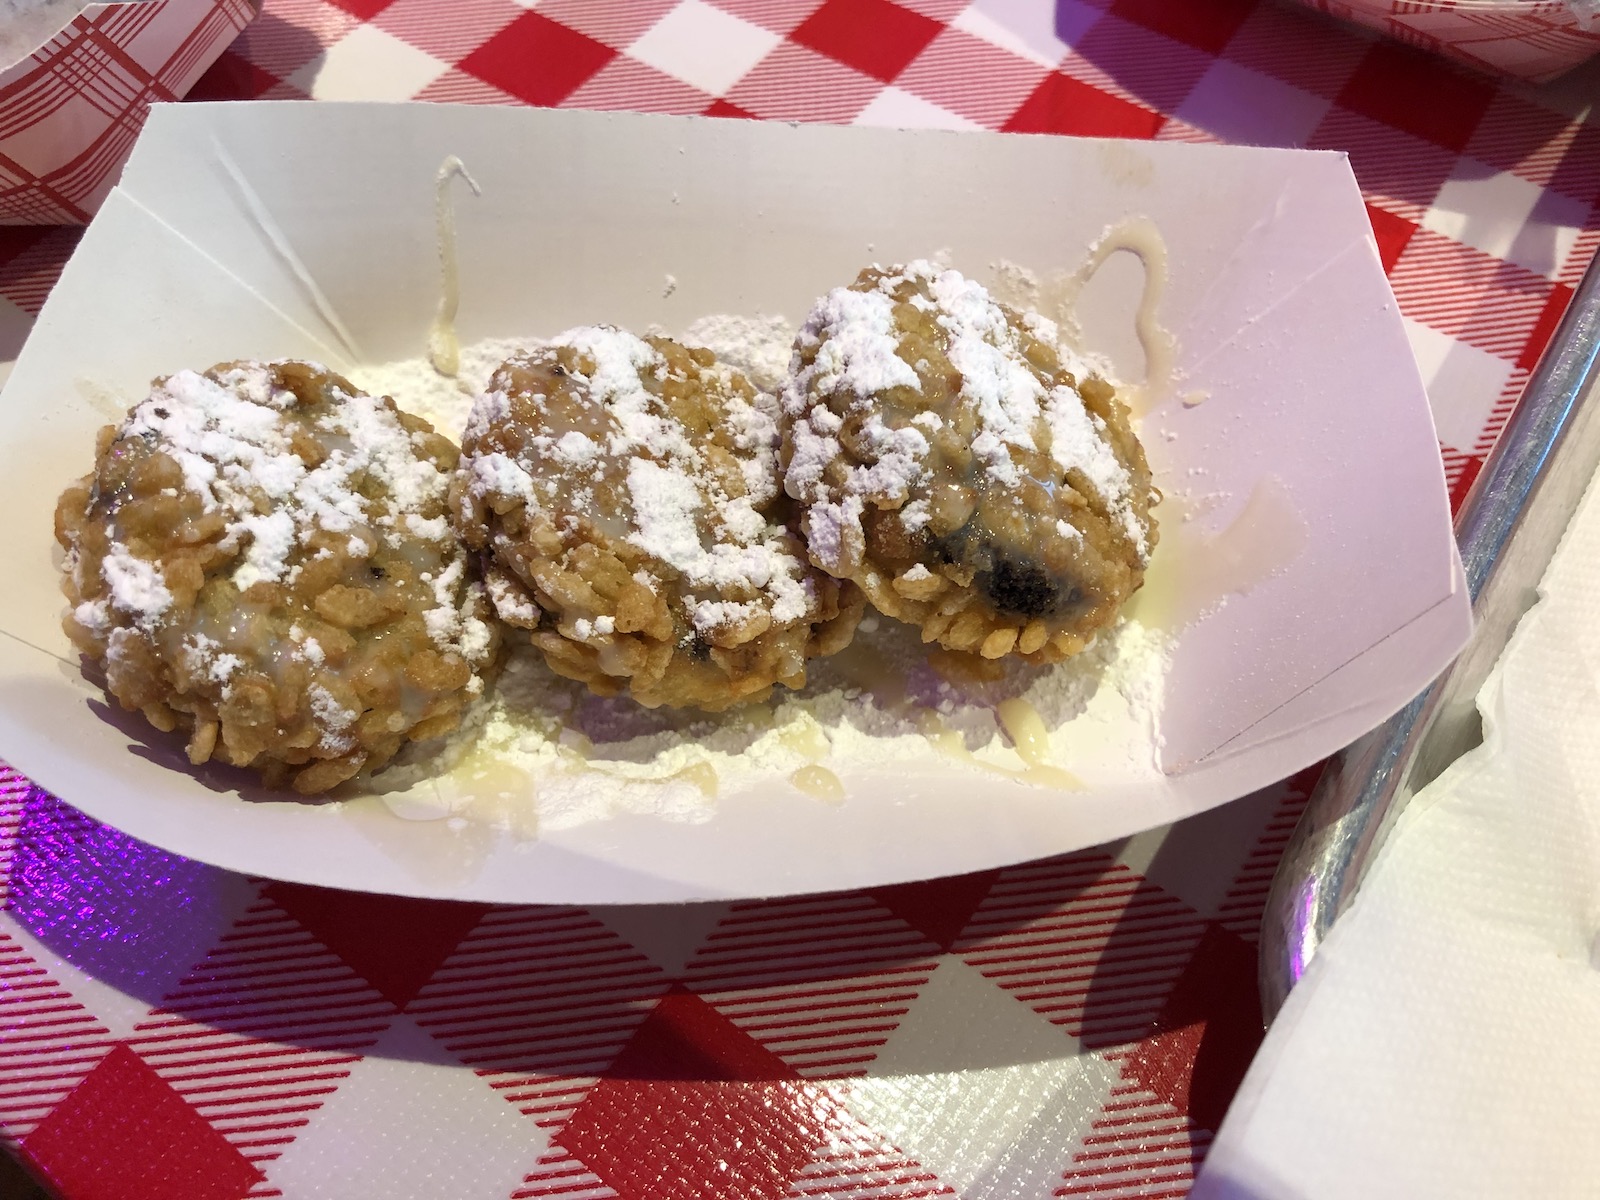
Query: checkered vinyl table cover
(1069, 1027)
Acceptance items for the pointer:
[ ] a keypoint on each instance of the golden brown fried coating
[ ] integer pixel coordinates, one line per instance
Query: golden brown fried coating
(624, 494)
(958, 468)
(261, 558)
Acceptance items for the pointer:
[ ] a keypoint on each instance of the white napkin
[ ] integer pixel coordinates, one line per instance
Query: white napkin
(1445, 1040)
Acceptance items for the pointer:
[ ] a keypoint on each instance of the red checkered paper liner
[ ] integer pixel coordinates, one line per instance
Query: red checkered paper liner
(70, 113)
(1531, 39)
(1070, 1027)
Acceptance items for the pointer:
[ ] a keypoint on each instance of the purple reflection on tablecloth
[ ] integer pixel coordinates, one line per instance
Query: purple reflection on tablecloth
(129, 914)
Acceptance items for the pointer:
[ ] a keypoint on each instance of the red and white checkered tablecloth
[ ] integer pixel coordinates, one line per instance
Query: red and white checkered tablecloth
(1069, 1027)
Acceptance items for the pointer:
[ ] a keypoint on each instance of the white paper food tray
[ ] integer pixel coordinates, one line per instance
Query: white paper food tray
(309, 230)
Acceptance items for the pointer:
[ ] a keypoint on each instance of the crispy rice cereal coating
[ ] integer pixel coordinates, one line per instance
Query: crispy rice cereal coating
(262, 558)
(953, 464)
(624, 494)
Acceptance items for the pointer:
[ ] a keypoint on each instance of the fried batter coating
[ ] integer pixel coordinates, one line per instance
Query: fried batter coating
(624, 495)
(953, 462)
(261, 559)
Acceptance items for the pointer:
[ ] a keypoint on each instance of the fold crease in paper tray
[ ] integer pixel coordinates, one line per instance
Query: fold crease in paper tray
(212, 249)
(76, 81)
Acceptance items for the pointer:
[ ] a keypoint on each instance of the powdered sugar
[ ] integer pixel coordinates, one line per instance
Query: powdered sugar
(1077, 443)
(589, 759)
(443, 401)
(501, 474)
(309, 646)
(758, 346)
(615, 385)
(861, 353)
(333, 717)
(203, 657)
(94, 616)
(857, 358)
(584, 628)
(575, 449)
(665, 504)
(280, 474)
(994, 376)
(230, 437)
(137, 587)
(730, 563)
(454, 625)
(272, 538)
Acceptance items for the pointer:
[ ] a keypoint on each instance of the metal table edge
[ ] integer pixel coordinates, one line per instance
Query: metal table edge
(1507, 530)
